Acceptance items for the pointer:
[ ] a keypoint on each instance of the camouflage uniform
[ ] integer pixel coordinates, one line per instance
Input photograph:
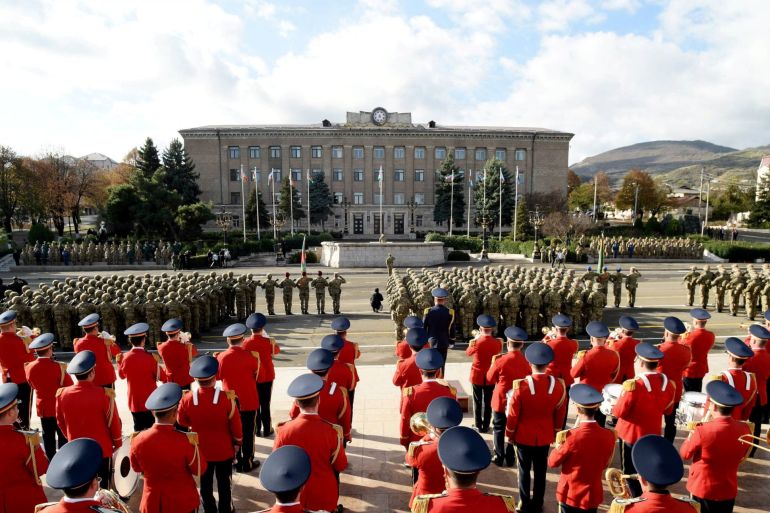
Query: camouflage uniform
(691, 280)
(632, 283)
(335, 291)
(320, 284)
(269, 286)
(288, 291)
(303, 284)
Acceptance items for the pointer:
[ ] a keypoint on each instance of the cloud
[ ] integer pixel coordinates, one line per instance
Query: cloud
(558, 15)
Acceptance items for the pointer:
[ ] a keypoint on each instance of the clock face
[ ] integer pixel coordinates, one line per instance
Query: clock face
(379, 116)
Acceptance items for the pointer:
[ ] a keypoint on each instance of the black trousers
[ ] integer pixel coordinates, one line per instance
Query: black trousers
(105, 473)
(563, 508)
(669, 429)
(246, 454)
(757, 414)
(535, 459)
(53, 438)
(628, 468)
(264, 422)
(692, 384)
(224, 473)
(142, 420)
(707, 506)
(351, 398)
(600, 418)
(25, 403)
(482, 405)
(443, 351)
(503, 450)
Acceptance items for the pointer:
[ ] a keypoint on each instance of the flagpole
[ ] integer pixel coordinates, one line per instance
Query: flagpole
(451, 202)
(308, 201)
(470, 204)
(500, 208)
(256, 201)
(272, 182)
(382, 221)
(291, 202)
(243, 204)
(516, 204)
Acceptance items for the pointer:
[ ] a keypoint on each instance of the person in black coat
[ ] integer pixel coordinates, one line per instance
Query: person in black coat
(376, 301)
(438, 322)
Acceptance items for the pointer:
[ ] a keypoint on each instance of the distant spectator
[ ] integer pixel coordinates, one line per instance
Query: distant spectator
(376, 301)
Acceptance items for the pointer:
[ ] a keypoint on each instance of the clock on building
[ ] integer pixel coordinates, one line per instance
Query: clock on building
(379, 116)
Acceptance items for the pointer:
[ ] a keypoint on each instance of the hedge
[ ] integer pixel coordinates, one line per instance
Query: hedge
(738, 251)
(458, 256)
(472, 244)
(310, 257)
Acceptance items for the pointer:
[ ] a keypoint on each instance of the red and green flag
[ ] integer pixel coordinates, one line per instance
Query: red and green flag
(302, 260)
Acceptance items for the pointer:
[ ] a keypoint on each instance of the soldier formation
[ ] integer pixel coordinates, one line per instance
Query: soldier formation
(88, 253)
(644, 247)
(746, 288)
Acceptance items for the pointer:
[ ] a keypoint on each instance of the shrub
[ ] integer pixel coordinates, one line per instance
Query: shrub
(310, 257)
(472, 244)
(40, 233)
(738, 251)
(458, 256)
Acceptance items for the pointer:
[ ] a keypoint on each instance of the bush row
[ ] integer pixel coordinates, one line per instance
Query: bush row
(738, 251)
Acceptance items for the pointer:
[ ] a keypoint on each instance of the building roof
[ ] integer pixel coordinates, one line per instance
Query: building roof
(98, 157)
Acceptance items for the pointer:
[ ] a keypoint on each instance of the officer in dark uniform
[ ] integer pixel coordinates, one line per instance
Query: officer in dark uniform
(284, 473)
(438, 322)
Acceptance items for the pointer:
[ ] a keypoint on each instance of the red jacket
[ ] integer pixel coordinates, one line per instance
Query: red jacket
(349, 354)
(213, 414)
(88, 506)
(267, 348)
(651, 502)
(676, 358)
(13, 355)
(323, 443)
(626, 349)
(597, 367)
(483, 349)
(583, 455)
(238, 370)
(416, 399)
(457, 500)
(423, 455)
(88, 410)
(403, 350)
(46, 376)
(285, 508)
(407, 373)
(505, 369)
(745, 383)
(105, 351)
(141, 371)
(20, 488)
(700, 341)
(537, 409)
(177, 356)
(344, 374)
(564, 349)
(169, 460)
(759, 364)
(333, 407)
(715, 452)
(640, 410)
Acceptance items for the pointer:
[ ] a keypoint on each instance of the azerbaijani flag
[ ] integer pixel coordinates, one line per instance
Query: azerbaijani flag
(600, 263)
(302, 260)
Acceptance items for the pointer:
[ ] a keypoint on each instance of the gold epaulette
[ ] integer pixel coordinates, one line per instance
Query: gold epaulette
(494, 358)
(452, 312)
(32, 437)
(413, 446)
(424, 312)
(230, 394)
(516, 384)
(255, 354)
(695, 504)
(109, 392)
(216, 354)
(59, 391)
(338, 429)
(132, 436)
(407, 391)
(420, 503)
(619, 505)
(629, 385)
(118, 357)
(41, 507)
(192, 437)
(509, 502)
(156, 356)
(581, 354)
(562, 436)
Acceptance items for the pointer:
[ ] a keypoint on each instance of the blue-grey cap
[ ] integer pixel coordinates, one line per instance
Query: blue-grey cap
(234, 330)
(204, 367)
(89, 320)
(340, 324)
(462, 450)
(657, 460)
(164, 397)
(82, 363)
(75, 464)
(286, 469)
(256, 321)
(539, 353)
(42, 341)
(171, 325)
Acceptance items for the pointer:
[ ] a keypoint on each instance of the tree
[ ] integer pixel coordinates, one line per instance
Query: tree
(760, 213)
(147, 159)
(449, 173)
(581, 198)
(82, 180)
(13, 181)
(731, 200)
(320, 200)
(180, 172)
(157, 213)
(603, 192)
(651, 197)
(120, 209)
(190, 217)
(51, 180)
(265, 219)
(286, 206)
(496, 177)
(523, 227)
(573, 181)
(566, 225)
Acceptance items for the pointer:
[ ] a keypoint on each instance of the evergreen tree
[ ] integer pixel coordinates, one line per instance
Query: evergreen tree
(449, 173)
(265, 218)
(180, 172)
(493, 170)
(523, 227)
(285, 205)
(320, 200)
(760, 213)
(156, 215)
(147, 159)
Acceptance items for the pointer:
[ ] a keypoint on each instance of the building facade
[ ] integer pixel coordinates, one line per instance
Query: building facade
(350, 155)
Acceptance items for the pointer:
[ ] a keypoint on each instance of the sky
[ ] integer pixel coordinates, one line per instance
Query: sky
(102, 75)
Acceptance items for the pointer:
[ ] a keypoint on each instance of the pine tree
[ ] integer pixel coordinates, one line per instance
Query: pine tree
(285, 206)
(760, 213)
(265, 219)
(492, 171)
(147, 159)
(180, 172)
(448, 173)
(523, 227)
(320, 200)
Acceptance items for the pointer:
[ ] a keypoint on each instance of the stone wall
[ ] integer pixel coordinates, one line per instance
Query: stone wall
(373, 254)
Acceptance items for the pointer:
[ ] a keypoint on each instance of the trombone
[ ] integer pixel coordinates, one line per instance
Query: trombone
(617, 482)
(746, 439)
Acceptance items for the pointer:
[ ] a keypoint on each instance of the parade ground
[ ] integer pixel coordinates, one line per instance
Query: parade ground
(376, 480)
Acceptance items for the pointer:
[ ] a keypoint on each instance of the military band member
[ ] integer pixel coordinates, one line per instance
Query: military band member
(506, 369)
(349, 352)
(344, 374)
(583, 453)
(535, 415)
(743, 381)
(238, 370)
(599, 365)
(564, 349)
(700, 341)
(320, 439)
(403, 350)
(22, 462)
(13, 355)
(437, 321)
(266, 347)
(105, 350)
(624, 346)
(284, 474)
(213, 414)
(717, 451)
(759, 365)
(169, 459)
(483, 348)
(142, 372)
(85, 410)
(443, 413)
(46, 376)
(464, 454)
(677, 358)
(176, 354)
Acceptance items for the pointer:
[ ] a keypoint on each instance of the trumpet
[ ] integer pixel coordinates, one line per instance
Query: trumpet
(548, 334)
(617, 482)
(615, 334)
(419, 424)
(746, 439)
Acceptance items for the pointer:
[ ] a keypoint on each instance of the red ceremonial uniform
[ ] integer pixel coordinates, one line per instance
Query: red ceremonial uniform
(663, 502)
(715, 452)
(676, 358)
(46, 376)
(407, 373)
(700, 341)
(21, 466)
(583, 453)
(344, 374)
(349, 354)
(625, 346)
(169, 460)
(759, 365)
(505, 369)
(141, 371)
(458, 500)
(213, 415)
(483, 349)
(105, 351)
(333, 407)
(177, 356)
(745, 383)
(596, 367)
(86, 410)
(266, 348)
(86, 506)
(537, 409)
(404, 351)
(564, 349)
(13, 355)
(323, 443)
(238, 370)
(294, 507)
(641, 406)
(416, 399)
(423, 455)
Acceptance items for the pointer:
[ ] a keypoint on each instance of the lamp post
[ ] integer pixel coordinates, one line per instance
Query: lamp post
(224, 220)
(345, 206)
(536, 219)
(636, 201)
(411, 205)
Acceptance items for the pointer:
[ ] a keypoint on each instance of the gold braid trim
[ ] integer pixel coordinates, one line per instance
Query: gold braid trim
(510, 503)
(33, 440)
(192, 437)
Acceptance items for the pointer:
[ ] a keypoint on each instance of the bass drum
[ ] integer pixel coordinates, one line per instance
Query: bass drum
(124, 479)
(611, 394)
(692, 408)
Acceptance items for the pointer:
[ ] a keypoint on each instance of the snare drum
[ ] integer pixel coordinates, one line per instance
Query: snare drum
(124, 479)
(611, 393)
(692, 408)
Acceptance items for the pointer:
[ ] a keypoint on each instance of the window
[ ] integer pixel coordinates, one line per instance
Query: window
(275, 152)
(234, 151)
(315, 172)
(481, 154)
(358, 175)
(520, 155)
(295, 152)
(338, 198)
(398, 198)
(378, 198)
(419, 175)
(500, 153)
(418, 220)
(379, 152)
(419, 198)
(358, 152)
(419, 153)
(235, 198)
(398, 175)
(316, 152)
(358, 198)
(399, 152)
(235, 175)
(277, 176)
(236, 222)
(296, 174)
(440, 153)
(459, 153)
(337, 174)
(336, 152)
(254, 152)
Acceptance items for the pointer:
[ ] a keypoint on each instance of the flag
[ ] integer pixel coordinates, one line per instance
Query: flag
(451, 178)
(270, 176)
(379, 175)
(291, 182)
(244, 176)
(308, 175)
(502, 178)
(600, 263)
(254, 175)
(302, 261)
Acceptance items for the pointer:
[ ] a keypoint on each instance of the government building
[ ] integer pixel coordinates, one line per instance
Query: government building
(350, 155)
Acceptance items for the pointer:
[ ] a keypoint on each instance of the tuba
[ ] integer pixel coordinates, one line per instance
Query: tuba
(617, 482)
(419, 424)
(111, 500)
